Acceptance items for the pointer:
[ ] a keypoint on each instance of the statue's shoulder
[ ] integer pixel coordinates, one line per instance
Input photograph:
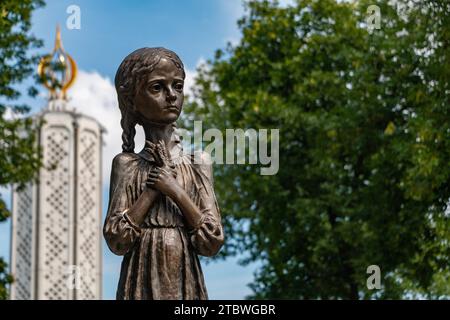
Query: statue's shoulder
(124, 159)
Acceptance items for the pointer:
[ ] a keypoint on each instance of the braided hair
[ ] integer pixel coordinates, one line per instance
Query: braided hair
(135, 68)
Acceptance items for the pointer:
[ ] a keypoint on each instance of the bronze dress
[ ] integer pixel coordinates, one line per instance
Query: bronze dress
(160, 256)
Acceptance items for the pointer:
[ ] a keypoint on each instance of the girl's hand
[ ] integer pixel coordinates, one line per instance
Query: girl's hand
(163, 180)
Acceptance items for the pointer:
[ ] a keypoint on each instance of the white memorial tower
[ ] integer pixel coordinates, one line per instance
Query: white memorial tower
(56, 222)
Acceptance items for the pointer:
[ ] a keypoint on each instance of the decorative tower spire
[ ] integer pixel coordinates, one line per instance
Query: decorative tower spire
(57, 70)
(56, 242)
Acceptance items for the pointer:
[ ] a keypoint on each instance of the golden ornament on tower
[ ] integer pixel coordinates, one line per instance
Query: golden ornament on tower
(57, 70)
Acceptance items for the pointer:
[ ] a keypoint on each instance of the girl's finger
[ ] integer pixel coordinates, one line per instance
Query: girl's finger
(164, 171)
(152, 175)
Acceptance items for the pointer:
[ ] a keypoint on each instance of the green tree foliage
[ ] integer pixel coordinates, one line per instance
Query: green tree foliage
(364, 174)
(19, 155)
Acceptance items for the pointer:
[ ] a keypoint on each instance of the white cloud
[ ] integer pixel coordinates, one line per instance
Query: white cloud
(9, 114)
(189, 81)
(286, 3)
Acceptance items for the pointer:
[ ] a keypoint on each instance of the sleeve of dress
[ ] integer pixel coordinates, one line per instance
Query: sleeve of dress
(119, 232)
(207, 237)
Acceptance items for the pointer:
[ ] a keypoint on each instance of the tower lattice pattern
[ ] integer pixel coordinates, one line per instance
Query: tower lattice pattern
(23, 227)
(56, 251)
(55, 220)
(89, 220)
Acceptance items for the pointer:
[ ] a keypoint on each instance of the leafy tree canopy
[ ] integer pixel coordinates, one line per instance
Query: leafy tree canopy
(19, 155)
(364, 174)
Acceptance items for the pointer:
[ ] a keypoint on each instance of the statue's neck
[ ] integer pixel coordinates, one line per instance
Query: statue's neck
(156, 132)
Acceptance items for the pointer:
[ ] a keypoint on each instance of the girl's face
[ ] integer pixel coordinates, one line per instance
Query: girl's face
(160, 98)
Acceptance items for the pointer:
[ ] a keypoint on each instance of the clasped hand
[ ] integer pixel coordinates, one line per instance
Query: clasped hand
(162, 176)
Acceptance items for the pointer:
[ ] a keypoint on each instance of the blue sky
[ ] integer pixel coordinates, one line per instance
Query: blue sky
(112, 29)
(109, 31)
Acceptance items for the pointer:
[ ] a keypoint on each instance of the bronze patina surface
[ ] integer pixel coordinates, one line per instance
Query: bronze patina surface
(162, 209)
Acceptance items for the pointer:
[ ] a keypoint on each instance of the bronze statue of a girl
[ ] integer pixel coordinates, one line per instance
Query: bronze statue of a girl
(162, 209)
